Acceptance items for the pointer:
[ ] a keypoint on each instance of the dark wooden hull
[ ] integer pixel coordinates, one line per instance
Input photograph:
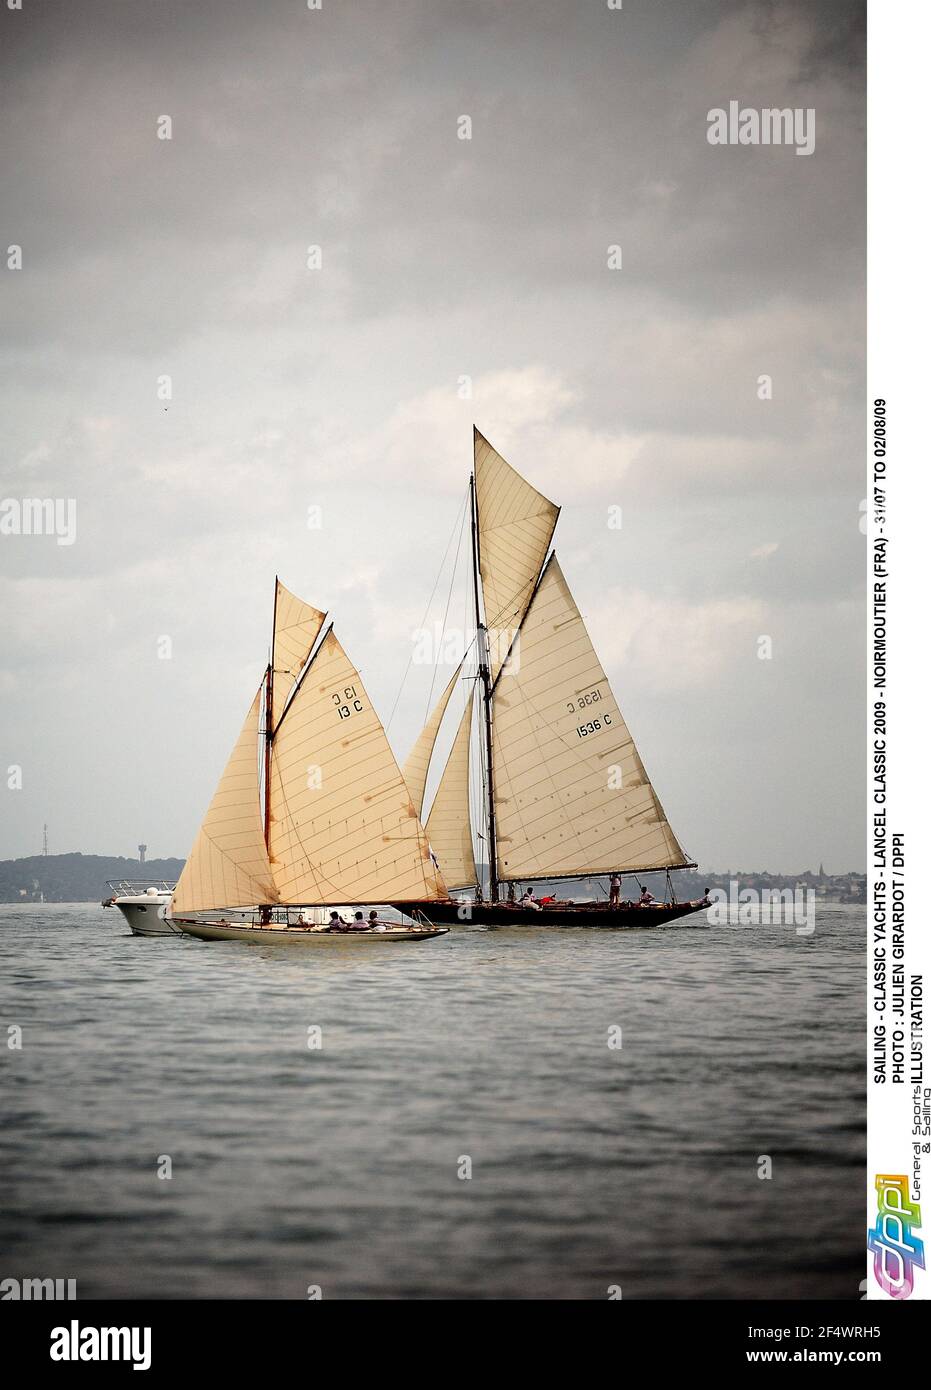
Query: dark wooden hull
(559, 915)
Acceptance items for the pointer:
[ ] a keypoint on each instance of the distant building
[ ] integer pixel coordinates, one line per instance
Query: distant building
(142, 850)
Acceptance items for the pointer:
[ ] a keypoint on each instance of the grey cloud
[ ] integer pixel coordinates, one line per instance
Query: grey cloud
(441, 258)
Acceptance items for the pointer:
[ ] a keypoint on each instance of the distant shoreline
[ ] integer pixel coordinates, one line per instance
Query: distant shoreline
(75, 878)
(82, 878)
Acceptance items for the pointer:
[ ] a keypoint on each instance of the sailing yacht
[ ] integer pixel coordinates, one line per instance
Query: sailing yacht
(329, 821)
(563, 792)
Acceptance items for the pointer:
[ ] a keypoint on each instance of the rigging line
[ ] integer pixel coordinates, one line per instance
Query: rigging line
(457, 524)
(473, 801)
(519, 601)
(297, 677)
(452, 580)
(523, 620)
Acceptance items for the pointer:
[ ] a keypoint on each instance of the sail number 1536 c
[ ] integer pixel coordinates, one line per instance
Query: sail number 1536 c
(583, 701)
(593, 725)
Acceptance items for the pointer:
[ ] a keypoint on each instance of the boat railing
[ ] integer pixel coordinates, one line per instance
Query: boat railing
(136, 887)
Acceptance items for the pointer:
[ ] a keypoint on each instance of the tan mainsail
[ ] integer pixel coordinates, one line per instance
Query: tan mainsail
(448, 825)
(571, 794)
(228, 866)
(343, 826)
(516, 526)
(417, 764)
(297, 626)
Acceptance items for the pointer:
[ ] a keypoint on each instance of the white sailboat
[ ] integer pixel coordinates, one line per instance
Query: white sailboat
(328, 822)
(563, 791)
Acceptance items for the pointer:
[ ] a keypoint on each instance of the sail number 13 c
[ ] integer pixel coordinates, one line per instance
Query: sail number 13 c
(347, 702)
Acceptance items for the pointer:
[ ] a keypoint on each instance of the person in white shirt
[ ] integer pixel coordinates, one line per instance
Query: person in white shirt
(646, 897)
(528, 900)
(615, 890)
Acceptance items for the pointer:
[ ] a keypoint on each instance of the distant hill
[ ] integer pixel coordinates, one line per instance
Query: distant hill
(75, 878)
(82, 878)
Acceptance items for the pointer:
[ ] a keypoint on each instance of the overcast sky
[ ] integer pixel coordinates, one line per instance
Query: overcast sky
(339, 387)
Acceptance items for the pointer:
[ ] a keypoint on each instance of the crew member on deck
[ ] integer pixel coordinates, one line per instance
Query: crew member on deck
(646, 897)
(375, 924)
(358, 923)
(528, 900)
(615, 890)
(337, 923)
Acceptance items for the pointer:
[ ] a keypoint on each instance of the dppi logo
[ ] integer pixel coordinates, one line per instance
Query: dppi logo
(897, 1253)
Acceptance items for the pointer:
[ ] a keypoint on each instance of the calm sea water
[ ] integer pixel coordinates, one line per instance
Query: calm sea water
(339, 1167)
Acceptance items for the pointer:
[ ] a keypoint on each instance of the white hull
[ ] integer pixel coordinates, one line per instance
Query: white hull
(298, 936)
(147, 918)
(143, 903)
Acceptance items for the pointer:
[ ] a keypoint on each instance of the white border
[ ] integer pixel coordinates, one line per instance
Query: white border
(899, 363)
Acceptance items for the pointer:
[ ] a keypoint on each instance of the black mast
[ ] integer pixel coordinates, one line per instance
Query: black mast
(269, 709)
(485, 677)
(265, 911)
